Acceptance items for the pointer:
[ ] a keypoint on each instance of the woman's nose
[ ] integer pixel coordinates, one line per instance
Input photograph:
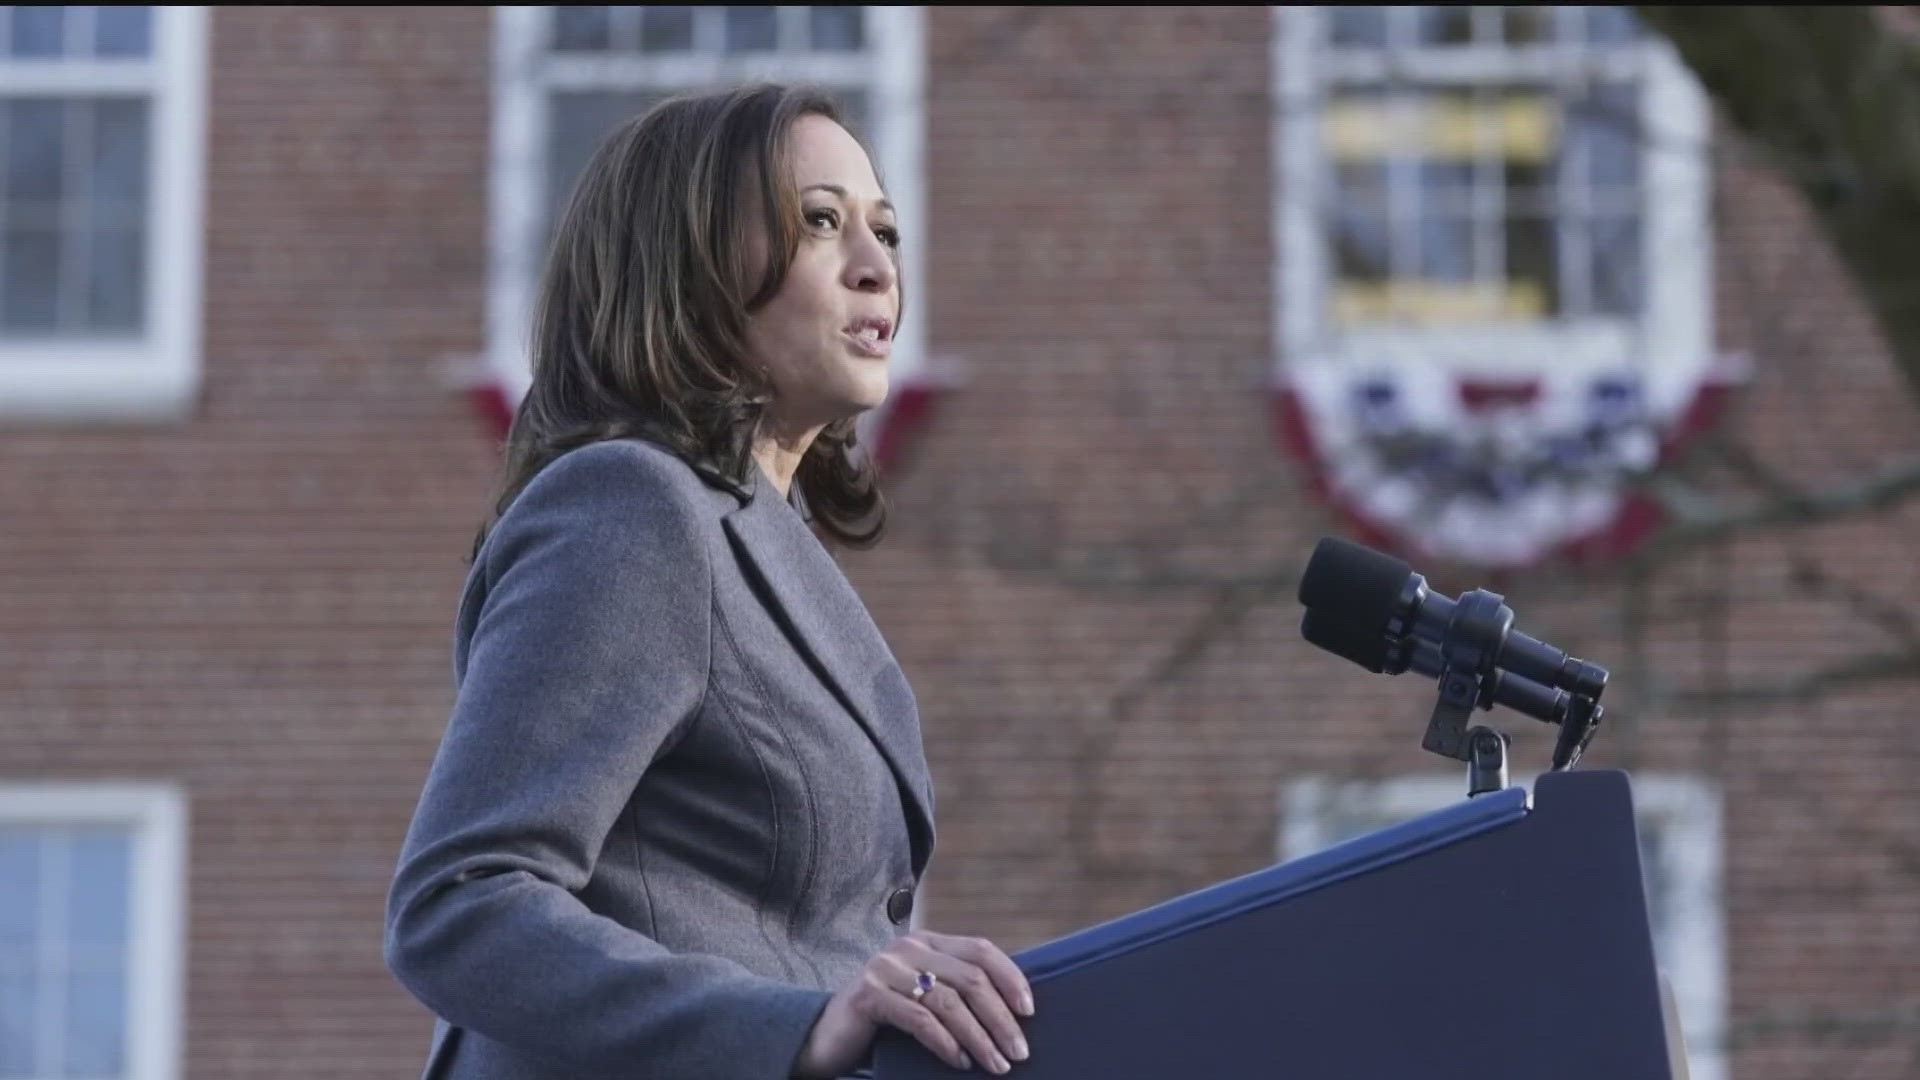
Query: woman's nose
(870, 274)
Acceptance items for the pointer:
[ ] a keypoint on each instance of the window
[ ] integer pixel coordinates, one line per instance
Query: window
(1495, 189)
(91, 924)
(1679, 826)
(102, 115)
(566, 75)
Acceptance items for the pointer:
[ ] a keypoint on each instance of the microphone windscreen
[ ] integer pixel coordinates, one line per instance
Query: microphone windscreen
(1363, 647)
(1356, 585)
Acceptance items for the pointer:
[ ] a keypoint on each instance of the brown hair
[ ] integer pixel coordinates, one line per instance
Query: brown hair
(639, 327)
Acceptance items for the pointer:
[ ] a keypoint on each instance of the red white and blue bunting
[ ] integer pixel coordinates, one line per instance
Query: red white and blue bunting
(1499, 472)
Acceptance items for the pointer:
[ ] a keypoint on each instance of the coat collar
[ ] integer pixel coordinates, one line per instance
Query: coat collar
(819, 607)
(715, 477)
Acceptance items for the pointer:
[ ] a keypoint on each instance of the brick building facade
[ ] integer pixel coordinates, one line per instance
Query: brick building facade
(232, 560)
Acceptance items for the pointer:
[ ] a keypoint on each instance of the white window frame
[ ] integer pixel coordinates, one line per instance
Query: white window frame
(1671, 341)
(1685, 811)
(892, 67)
(157, 815)
(156, 376)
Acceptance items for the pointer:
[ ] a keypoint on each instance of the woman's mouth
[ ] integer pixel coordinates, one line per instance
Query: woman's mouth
(870, 337)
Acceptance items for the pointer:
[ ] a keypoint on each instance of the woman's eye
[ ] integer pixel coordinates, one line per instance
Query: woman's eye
(826, 218)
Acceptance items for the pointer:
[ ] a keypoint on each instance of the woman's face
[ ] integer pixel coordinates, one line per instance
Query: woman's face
(825, 337)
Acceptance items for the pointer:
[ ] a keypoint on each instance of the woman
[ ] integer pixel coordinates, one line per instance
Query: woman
(681, 806)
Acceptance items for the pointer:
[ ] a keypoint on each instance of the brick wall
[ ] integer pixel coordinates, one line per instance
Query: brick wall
(258, 601)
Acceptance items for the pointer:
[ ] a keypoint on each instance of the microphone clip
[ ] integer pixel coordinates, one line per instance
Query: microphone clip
(1576, 730)
(1460, 694)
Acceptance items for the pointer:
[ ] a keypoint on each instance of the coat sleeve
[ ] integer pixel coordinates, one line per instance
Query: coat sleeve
(587, 653)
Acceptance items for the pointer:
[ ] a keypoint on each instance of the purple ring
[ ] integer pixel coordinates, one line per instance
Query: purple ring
(922, 984)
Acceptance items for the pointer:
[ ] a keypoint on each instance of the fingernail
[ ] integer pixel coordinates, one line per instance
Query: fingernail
(1000, 1064)
(1019, 1049)
(1026, 1004)
(965, 1061)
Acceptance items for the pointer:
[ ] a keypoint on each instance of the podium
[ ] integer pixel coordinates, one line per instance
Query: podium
(1501, 938)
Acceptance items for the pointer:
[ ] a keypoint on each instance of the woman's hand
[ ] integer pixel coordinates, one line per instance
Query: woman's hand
(968, 1016)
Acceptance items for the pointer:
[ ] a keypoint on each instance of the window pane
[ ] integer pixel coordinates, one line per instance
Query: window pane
(1446, 224)
(1435, 25)
(666, 29)
(1527, 25)
(577, 122)
(123, 31)
(35, 135)
(17, 1025)
(837, 29)
(580, 28)
(99, 861)
(1446, 248)
(1530, 246)
(116, 279)
(1533, 266)
(853, 115)
(29, 277)
(1529, 189)
(1615, 243)
(1603, 131)
(750, 29)
(1359, 126)
(1446, 187)
(19, 899)
(120, 158)
(1524, 121)
(1612, 26)
(1360, 235)
(1362, 240)
(1357, 27)
(96, 1043)
(38, 31)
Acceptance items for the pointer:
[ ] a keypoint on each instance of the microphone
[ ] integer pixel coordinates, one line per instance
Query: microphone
(1370, 651)
(1376, 595)
(1372, 609)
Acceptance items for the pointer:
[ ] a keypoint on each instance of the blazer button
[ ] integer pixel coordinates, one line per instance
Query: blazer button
(900, 906)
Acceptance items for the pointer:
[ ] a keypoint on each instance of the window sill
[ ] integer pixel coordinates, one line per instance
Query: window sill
(73, 381)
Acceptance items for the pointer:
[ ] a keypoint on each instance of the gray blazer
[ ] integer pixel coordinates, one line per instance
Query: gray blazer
(682, 794)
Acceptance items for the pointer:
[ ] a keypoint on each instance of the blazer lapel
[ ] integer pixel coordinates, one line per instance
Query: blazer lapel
(827, 619)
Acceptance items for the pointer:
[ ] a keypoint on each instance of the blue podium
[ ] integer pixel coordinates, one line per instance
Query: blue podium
(1496, 939)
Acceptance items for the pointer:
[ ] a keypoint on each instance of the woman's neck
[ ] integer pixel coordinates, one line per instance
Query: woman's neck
(779, 456)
